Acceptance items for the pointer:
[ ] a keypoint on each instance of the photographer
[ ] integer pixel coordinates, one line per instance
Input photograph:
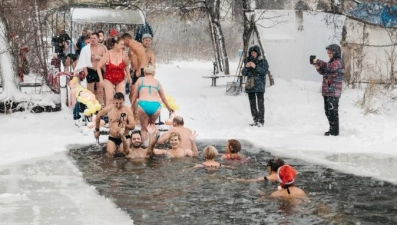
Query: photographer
(59, 43)
(256, 69)
(332, 72)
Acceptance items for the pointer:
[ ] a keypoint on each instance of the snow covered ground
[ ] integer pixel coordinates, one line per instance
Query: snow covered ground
(39, 184)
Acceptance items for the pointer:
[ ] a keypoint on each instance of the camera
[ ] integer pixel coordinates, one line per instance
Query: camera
(123, 115)
(312, 57)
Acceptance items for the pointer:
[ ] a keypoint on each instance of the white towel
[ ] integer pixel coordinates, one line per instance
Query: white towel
(84, 59)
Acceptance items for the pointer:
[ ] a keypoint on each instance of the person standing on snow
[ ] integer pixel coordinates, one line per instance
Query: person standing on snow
(332, 72)
(256, 69)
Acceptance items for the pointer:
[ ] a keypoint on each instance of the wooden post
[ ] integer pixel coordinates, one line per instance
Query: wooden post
(263, 53)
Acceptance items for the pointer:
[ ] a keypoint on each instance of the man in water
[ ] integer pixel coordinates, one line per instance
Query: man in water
(178, 127)
(136, 152)
(118, 114)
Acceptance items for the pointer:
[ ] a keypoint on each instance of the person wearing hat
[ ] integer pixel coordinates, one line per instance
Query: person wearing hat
(112, 34)
(332, 73)
(147, 44)
(286, 177)
(255, 69)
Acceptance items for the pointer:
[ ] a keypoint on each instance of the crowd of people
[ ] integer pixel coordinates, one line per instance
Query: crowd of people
(120, 63)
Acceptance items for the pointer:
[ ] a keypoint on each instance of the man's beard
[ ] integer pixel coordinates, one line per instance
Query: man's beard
(137, 145)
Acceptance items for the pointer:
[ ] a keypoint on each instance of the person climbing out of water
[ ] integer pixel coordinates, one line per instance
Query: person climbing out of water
(175, 140)
(286, 177)
(272, 167)
(210, 154)
(233, 147)
(117, 114)
(146, 100)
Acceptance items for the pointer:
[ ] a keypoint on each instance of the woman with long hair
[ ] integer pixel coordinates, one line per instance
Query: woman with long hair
(116, 63)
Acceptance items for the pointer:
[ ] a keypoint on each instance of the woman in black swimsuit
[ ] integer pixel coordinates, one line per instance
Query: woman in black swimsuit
(272, 168)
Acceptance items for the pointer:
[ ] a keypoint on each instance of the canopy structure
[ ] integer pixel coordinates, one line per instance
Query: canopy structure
(97, 15)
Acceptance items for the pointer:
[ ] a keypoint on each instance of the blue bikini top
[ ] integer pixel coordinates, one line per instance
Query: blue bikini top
(148, 86)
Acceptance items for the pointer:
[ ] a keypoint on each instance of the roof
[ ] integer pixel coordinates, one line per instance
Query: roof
(96, 15)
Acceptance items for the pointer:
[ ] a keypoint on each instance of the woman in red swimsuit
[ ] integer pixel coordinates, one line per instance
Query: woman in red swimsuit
(116, 62)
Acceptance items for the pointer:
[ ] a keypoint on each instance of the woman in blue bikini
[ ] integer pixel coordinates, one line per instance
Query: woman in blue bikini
(146, 98)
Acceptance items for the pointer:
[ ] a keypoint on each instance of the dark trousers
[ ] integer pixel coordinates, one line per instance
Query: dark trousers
(331, 106)
(78, 108)
(257, 105)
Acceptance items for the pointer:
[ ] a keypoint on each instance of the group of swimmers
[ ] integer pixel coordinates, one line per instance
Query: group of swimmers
(182, 142)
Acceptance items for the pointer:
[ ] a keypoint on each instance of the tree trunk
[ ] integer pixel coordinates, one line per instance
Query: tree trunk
(269, 73)
(39, 40)
(213, 8)
(214, 47)
(8, 70)
(247, 33)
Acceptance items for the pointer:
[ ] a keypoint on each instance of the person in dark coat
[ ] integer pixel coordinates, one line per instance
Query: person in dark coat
(256, 68)
(332, 73)
(80, 41)
(143, 29)
(59, 43)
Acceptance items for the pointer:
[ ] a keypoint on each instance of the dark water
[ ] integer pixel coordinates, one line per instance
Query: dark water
(169, 191)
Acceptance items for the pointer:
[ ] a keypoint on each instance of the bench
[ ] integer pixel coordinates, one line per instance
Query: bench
(27, 85)
(213, 83)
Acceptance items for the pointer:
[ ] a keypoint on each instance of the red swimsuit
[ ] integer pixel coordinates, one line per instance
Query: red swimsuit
(114, 73)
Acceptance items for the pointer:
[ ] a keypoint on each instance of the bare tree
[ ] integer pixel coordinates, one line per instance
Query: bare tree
(190, 9)
(20, 25)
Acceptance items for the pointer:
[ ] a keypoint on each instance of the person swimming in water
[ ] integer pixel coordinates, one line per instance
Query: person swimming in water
(233, 147)
(135, 151)
(286, 177)
(272, 167)
(175, 140)
(210, 154)
(117, 113)
(178, 126)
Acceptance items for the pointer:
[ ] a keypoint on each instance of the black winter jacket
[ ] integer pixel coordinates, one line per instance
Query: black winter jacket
(259, 72)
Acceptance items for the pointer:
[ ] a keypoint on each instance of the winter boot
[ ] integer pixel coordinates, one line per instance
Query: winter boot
(254, 124)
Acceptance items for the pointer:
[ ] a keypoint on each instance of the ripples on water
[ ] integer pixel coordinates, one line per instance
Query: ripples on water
(170, 191)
